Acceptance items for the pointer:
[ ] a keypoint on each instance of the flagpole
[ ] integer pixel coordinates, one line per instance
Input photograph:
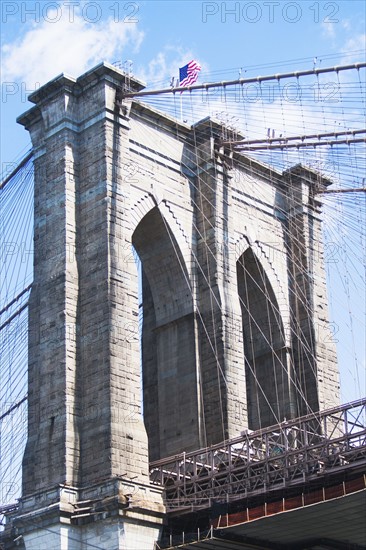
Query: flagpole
(187, 76)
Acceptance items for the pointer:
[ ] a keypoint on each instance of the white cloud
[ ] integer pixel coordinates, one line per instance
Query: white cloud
(328, 29)
(356, 43)
(346, 24)
(71, 47)
(165, 65)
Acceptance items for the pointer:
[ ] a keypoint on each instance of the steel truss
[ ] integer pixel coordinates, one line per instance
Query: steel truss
(284, 455)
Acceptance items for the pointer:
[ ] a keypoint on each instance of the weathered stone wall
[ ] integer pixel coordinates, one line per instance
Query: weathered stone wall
(233, 289)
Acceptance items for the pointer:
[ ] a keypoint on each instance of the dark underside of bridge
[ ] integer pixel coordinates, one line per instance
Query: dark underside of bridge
(324, 515)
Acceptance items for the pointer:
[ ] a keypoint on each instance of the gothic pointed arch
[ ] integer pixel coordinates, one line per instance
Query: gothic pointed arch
(263, 254)
(267, 361)
(168, 339)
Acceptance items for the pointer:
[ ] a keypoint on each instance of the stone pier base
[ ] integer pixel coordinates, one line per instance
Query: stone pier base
(115, 515)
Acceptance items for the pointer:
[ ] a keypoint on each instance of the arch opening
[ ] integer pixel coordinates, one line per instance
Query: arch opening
(267, 361)
(168, 354)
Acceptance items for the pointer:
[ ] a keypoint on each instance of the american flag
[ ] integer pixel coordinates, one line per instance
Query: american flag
(189, 73)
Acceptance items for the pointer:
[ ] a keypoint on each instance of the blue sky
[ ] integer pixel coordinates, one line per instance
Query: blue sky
(43, 39)
(40, 40)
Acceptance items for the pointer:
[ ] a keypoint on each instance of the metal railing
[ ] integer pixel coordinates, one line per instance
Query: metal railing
(284, 455)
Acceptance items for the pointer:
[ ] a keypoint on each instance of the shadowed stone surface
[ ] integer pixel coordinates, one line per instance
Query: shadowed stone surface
(235, 331)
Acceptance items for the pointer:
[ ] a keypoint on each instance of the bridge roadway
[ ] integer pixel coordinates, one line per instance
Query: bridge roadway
(299, 484)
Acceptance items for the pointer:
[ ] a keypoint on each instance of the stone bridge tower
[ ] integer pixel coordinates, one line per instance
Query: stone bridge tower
(234, 326)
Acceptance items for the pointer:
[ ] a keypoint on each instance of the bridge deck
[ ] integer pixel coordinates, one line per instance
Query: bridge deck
(337, 524)
(325, 444)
